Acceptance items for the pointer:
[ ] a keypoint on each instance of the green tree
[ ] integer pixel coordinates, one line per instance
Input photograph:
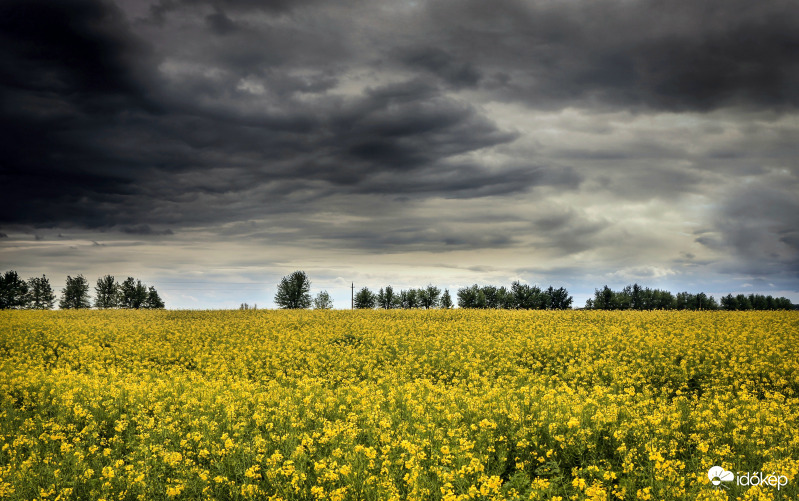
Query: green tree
(365, 299)
(742, 302)
(636, 297)
(13, 291)
(446, 300)
(623, 300)
(685, 301)
(387, 299)
(75, 294)
(106, 292)
(505, 299)
(729, 303)
(492, 296)
(322, 301)
(429, 297)
(663, 300)
(524, 296)
(132, 294)
(407, 299)
(40, 294)
(704, 302)
(559, 299)
(758, 301)
(471, 297)
(293, 292)
(604, 299)
(154, 301)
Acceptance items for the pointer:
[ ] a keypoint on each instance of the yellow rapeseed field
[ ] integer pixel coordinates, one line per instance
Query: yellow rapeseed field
(410, 405)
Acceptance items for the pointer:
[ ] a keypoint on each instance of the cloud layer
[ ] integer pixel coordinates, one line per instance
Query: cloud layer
(604, 139)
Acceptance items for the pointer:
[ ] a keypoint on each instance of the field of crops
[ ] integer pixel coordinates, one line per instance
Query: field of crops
(416, 405)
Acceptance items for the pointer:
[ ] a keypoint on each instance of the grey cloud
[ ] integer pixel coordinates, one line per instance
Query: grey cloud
(65, 67)
(710, 242)
(139, 160)
(661, 55)
(645, 183)
(220, 24)
(466, 181)
(569, 234)
(406, 239)
(162, 8)
(93, 58)
(142, 127)
(145, 229)
(757, 226)
(215, 111)
(395, 240)
(441, 64)
(553, 222)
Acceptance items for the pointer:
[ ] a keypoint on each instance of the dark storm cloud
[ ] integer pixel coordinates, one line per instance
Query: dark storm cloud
(655, 54)
(144, 229)
(201, 112)
(163, 7)
(67, 70)
(441, 64)
(421, 237)
(101, 138)
(468, 181)
(220, 23)
(76, 48)
(758, 226)
(566, 232)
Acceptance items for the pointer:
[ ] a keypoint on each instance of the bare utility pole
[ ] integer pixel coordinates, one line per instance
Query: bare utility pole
(352, 298)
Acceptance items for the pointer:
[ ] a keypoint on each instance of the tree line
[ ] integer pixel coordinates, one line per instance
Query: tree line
(294, 292)
(519, 297)
(635, 297)
(755, 302)
(387, 298)
(36, 293)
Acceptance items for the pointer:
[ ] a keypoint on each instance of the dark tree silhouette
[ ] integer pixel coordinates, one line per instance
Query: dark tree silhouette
(40, 294)
(293, 292)
(322, 301)
(106, 292)
(75, 294)
(132, 294)
(154, 301)
(365, 299)
(387, 299)
(429, 297)
(13, 291)
(446, 300)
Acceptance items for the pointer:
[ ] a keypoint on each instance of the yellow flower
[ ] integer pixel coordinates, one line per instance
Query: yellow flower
(398, 404)
(174, 490)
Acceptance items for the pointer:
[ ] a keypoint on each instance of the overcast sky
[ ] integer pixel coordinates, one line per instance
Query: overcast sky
(212, 147)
